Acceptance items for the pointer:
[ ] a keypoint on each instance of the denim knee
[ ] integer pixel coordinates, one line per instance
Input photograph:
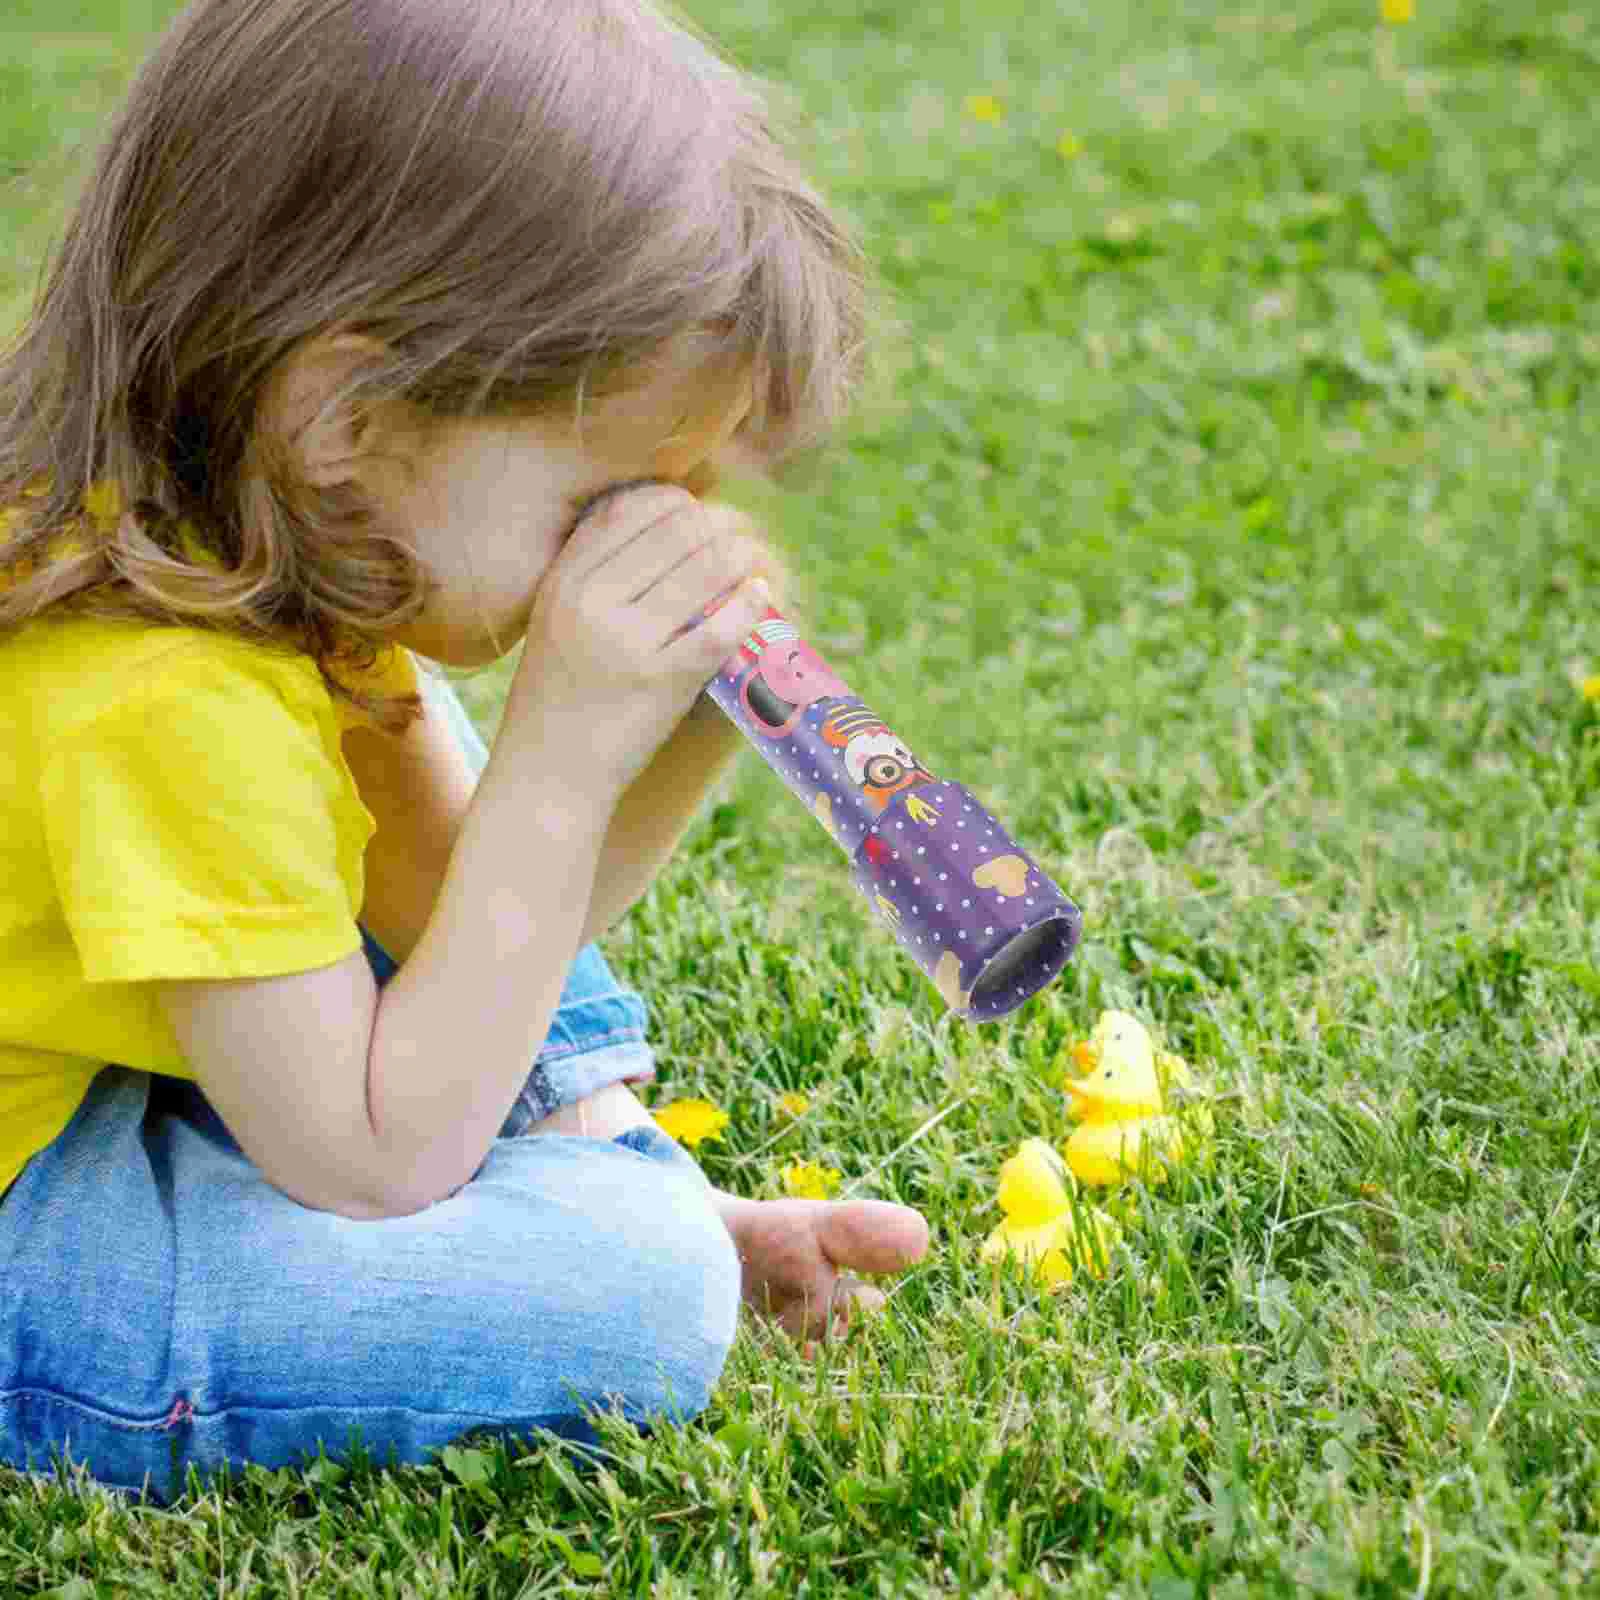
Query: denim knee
(701, 1280)
(167, 1308)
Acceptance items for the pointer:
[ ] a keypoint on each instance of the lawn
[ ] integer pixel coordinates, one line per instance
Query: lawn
(1226, 520)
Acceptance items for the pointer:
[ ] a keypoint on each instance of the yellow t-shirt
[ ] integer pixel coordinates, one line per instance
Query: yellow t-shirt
(174, 803)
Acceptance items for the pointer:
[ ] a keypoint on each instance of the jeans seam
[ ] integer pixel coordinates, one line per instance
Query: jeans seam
(195, 1414)
(592, 1041)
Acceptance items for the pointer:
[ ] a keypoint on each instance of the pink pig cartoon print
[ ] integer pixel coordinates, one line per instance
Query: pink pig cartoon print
(780, 675)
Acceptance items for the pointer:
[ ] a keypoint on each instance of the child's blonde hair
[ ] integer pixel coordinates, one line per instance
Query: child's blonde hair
(520, 203)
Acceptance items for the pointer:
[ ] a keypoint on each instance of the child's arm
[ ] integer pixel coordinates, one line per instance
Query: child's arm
(656, 811)
(377, 1104)
(417, 785)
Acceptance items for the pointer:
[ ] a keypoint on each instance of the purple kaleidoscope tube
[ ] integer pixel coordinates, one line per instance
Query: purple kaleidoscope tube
(970, 907)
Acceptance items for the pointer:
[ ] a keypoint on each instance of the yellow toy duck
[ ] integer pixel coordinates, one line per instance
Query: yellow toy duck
(1121, 1102)
(1040, 1228)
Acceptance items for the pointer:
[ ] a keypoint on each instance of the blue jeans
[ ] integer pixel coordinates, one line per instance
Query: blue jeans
(163, 1306)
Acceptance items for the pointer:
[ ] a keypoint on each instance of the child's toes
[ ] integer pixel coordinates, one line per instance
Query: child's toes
(872, 1235)
(854, 1299)
(850, 1299)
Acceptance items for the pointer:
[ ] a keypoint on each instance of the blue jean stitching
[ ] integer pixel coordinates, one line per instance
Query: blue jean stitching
(592, 1041)
(195, 1414)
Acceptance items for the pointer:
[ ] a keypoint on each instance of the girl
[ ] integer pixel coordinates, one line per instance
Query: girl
(383, 326)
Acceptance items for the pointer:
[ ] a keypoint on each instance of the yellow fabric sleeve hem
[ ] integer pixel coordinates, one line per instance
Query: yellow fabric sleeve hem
(280, 942)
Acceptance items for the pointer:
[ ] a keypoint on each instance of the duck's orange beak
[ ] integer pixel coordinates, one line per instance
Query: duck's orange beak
(1081, 1091)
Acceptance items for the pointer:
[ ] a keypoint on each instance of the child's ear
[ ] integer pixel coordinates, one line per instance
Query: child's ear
(309, 412)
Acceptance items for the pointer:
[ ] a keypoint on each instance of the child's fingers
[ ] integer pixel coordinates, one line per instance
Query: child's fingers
(706, 642)
(616, 521)
(872, 1235)
(693, 589)
(700, 547)
(749, 554)
(657, 565)
(670, 560)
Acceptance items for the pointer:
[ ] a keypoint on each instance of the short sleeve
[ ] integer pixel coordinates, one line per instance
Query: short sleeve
(205, 825)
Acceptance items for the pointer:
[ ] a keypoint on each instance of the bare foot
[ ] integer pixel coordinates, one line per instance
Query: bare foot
(798, 1255)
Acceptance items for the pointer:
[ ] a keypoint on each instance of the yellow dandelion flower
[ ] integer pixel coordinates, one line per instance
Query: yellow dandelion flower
(1398, 11)
(1591, 688)
(690, 1121)
(1069, 146)
(985, 108)
(793, 1104)
(806, 1180)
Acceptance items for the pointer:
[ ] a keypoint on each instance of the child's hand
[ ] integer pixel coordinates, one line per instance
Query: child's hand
(618, 645)
(769, 566)
(702, 484)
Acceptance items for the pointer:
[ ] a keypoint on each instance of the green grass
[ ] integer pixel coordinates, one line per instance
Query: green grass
(1230, 527)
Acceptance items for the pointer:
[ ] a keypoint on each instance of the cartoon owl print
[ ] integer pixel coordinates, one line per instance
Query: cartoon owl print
(874, 755)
